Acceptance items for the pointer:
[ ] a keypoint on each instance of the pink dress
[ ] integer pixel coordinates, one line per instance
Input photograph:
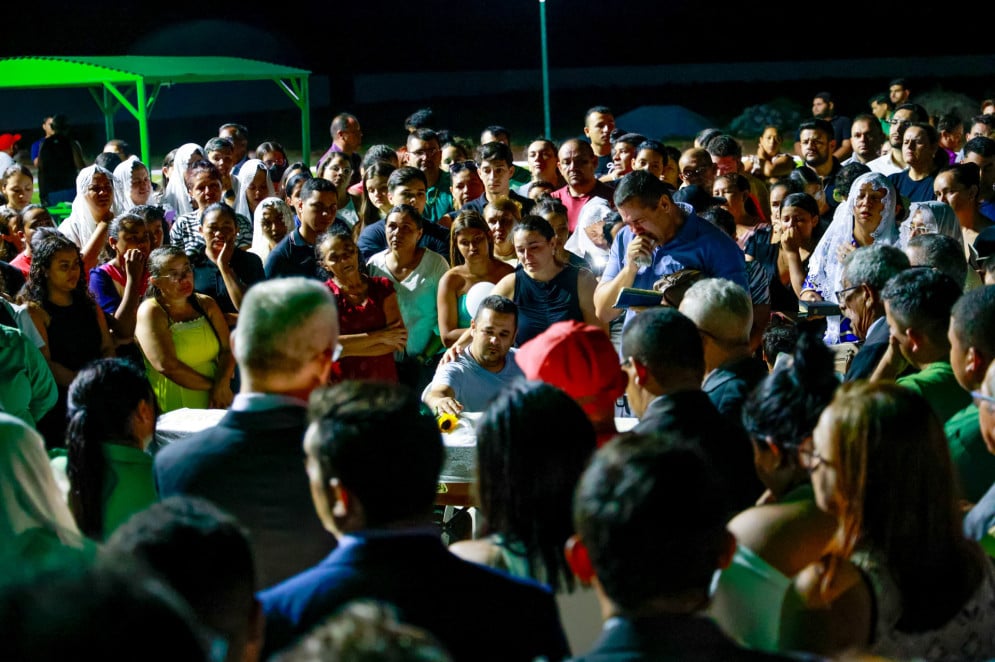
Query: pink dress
(361, 318)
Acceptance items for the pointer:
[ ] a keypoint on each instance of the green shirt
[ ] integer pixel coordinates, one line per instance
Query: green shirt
(974, 464)
(27, 388)
(936, 382)
(128, 483)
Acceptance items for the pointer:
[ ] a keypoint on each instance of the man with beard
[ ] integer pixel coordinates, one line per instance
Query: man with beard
(485, 367)
(817, 149)
(866, 137)
(904, 115)
(577, 165)
(823, 108)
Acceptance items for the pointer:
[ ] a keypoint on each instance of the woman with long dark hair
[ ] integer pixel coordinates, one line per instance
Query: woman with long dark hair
(112, 413)
(533, 443)
(70, 323)
(786, 530)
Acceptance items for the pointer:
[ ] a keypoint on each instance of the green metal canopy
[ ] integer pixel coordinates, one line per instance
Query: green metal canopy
(135, 81)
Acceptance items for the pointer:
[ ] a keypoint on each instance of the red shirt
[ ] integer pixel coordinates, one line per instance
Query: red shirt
(574, 205)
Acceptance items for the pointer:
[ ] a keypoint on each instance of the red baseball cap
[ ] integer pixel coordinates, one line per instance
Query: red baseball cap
(578, 359)
(8, 140)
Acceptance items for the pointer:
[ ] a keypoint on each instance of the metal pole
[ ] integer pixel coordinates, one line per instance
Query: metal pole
(545, 70)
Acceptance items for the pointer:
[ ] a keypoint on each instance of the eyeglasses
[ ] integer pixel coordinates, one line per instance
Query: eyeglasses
(177, 276)
(457, 166)
(841, 295)
(982, 399)
(427, 152)
(695, 172)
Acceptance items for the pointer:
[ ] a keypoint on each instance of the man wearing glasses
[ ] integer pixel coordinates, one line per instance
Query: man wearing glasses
(893, 162)
(425, 153)
(696, 168)
(866, 271)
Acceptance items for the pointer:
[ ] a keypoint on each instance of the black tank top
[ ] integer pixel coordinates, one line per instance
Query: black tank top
(541, 304)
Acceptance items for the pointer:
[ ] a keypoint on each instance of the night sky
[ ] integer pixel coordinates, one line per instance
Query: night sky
(333, 37)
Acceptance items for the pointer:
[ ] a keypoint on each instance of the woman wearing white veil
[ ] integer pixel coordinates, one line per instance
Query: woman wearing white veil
(132, 185)
(587, 240)
(176, 195)
(868, 217)
(92, 212)
(247, 178)
(266, 234)
(930, 217)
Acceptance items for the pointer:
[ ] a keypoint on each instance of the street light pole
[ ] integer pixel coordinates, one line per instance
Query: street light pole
(545, 70)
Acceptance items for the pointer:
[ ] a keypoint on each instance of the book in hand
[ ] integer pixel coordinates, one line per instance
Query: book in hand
(634, 297)
(819, 308)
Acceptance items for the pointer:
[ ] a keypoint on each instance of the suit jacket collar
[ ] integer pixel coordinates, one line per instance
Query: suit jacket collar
(269, 419)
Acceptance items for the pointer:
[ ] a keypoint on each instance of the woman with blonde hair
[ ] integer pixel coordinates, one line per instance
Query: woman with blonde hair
(900, 580)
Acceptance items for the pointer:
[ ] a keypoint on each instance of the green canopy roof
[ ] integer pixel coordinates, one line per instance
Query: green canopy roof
(135, 81)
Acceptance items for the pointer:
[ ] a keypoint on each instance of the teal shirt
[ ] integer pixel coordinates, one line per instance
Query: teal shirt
(974, 464)
(27, 388)
(936, 382)
(439, 198)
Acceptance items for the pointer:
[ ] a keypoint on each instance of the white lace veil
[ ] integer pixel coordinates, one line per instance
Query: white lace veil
(245, 176)
(593, 211)
(825, 269)
(260, 244)
(122, 184)
(938, 217)
(81, 223)
(176, 194)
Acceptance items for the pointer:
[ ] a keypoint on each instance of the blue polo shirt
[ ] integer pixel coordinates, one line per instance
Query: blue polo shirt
(697, 245)
(293, 256)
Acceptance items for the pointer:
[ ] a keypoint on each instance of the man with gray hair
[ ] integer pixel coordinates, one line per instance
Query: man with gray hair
(723, 312)
(250, 463)
(941, 252)
(865, 273)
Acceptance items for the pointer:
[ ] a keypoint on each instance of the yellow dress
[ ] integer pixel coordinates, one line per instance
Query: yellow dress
(198, 347)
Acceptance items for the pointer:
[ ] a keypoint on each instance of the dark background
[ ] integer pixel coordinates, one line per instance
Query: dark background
(341, 42)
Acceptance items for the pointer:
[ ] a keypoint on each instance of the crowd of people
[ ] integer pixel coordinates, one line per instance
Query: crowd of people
(725, 405)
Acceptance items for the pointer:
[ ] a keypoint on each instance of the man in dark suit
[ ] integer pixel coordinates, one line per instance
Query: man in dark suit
(373, 460)
(650, 519)
(664, 358)
(251, 463)
(865, 273)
